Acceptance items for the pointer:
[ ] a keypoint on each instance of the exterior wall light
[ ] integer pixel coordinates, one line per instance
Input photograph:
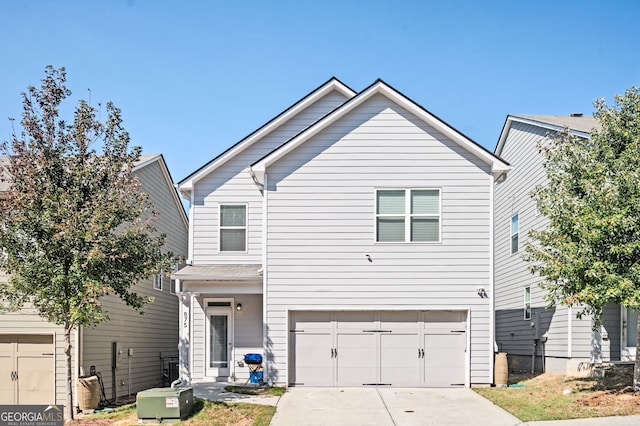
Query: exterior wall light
(239, 307)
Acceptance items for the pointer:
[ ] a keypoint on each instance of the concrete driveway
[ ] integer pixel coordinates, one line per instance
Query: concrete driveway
(387, 406)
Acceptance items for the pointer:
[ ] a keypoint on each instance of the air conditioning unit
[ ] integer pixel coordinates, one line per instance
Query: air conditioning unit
(164, 404)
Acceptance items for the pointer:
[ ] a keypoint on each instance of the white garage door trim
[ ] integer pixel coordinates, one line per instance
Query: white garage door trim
(365, 340)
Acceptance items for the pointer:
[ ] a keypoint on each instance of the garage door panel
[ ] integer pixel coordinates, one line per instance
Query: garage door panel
(356, 359)
(354, 320)
(399, 360)
(35, 380)
(400, 320)
(310, 320)
(311, 362)
(444, 359)
(6, 385)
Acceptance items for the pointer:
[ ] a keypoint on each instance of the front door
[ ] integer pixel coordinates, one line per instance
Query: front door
(219, 325)
(629, 334)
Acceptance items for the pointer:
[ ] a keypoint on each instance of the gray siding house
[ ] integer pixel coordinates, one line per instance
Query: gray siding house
(349, 242)
(534, 337)
(131, 351)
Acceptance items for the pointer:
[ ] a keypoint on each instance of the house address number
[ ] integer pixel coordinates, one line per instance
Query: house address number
(185, 320)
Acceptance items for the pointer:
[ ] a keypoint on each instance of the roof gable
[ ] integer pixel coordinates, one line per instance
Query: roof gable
(577, 124)
(498, 166)
(333, 84)
(146, 160)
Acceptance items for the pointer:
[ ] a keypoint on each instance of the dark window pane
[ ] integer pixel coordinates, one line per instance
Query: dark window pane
(232, 239)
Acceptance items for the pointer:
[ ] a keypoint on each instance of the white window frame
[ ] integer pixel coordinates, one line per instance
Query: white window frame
(245, 227)
(516, 234)
(158, 281)
(527, 302)
(408, 215)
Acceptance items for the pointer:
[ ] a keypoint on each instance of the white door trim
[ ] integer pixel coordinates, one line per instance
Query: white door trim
(220, 310)
(627, 353)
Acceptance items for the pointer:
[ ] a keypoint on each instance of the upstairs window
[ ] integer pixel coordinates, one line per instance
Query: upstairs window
(158, 280)
(514, 233)
(408, 215)
(233, 227)
(527, 303)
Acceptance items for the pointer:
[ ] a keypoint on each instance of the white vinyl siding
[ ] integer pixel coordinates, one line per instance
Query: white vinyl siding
(411, 215)
(233, 227)
(324, 193)
(232, 184)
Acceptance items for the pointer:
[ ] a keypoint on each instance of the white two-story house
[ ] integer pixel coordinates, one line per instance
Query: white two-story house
(349, 241)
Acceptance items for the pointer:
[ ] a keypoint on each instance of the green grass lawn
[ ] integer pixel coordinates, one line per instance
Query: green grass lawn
(205, 413)
(555, 397)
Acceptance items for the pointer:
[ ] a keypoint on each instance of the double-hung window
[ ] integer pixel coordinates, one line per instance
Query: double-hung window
(233, 227)
(408, 215)
(158, 280)
(514, 233)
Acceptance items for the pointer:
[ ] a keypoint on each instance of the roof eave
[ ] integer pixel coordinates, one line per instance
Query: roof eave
(381, 87)
(235, 278)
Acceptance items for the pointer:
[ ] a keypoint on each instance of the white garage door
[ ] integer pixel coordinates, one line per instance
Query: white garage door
(396, 348)
(26, 369)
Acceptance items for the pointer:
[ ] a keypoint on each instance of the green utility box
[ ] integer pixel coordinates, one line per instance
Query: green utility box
(165, 404)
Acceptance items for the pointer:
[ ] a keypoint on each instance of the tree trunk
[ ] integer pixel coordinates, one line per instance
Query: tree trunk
(67, 352)
(636, 368)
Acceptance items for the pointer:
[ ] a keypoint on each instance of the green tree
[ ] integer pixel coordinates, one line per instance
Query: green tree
(589, 255)
(75, 224)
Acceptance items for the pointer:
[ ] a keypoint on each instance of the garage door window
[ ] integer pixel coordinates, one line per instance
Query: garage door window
(408, 215)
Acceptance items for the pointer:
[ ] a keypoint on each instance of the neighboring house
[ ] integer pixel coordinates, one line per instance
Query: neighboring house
(131, 351)
(555, 338)
(349, 242)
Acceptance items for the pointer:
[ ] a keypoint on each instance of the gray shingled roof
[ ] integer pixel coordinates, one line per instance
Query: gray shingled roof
(580, 123)
(219, 272)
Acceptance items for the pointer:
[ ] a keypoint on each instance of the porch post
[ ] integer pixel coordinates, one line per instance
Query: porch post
(184, 344)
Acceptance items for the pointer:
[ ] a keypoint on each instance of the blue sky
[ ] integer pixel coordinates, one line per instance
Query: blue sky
(194, 77)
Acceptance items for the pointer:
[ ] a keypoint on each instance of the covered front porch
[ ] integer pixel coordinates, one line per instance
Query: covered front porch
(221, 320)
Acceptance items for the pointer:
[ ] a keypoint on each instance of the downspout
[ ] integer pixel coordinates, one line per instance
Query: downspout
(78, 358)
(569, 332)
(265, 329)
(255, 179)
(191, 225)
(492, 288)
